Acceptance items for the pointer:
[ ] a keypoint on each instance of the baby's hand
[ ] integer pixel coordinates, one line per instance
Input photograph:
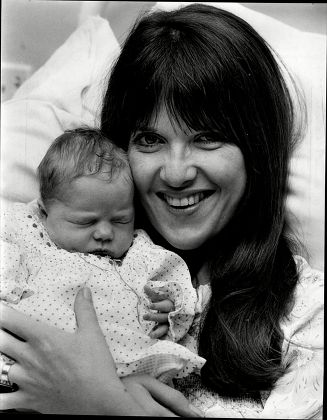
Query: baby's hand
(161, 304)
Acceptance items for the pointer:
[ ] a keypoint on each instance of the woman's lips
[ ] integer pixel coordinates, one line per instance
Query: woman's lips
(186, 201)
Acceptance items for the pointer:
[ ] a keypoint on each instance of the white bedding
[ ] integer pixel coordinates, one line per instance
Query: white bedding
(66, 92)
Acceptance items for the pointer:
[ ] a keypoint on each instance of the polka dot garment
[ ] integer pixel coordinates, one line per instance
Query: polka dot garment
(42, 280)
(296, 395)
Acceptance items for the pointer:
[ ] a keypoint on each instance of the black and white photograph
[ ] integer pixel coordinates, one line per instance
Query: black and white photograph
(162, 208)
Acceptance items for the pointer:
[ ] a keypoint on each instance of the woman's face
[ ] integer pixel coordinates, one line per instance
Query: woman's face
(189, 183)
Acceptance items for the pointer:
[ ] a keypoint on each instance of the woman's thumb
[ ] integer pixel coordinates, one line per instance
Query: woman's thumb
(84, 310)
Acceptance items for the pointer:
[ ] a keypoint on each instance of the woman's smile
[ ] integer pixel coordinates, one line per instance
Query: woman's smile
(189, 182)
(186, 203)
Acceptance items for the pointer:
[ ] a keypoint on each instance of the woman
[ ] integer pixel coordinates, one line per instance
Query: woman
(200, 104)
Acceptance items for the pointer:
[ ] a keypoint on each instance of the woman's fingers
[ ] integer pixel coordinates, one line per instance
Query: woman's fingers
(13, 400)
(11, 346)
(16, 322)
(18, 398)
(169, 397)
(17, 375)
(85, 314)
(89, 330)
(144, 398)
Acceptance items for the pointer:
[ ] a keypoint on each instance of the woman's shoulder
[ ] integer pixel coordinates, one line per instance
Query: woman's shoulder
(307, 274)
(304, 323)
(309, 291)
(299, 392)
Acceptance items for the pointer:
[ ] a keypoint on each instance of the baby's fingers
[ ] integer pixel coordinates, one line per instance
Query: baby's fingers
(163, 306)
(153, 295)
(159, 331)
(156, 317)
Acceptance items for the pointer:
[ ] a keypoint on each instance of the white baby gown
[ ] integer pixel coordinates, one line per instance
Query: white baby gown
(42, 280)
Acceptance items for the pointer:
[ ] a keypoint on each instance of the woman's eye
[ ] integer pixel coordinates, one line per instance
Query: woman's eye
(147, 140)
(208, 140)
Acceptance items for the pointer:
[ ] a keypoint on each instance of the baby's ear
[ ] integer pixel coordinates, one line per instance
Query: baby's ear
(42, 209)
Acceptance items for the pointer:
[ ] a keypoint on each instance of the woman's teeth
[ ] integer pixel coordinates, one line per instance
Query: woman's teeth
(185, 201)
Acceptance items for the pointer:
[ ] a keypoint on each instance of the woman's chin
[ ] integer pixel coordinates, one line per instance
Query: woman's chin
(184, 241)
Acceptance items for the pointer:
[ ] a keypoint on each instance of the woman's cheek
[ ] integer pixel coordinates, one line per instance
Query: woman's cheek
(143, 170)
(231, 171)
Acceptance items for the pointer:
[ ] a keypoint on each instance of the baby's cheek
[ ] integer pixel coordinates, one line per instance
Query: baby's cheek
(66, 239)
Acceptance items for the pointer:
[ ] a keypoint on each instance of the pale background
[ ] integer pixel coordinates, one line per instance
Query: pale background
(31, 30)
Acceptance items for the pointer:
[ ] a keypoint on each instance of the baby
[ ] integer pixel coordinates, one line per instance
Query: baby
(81, 232)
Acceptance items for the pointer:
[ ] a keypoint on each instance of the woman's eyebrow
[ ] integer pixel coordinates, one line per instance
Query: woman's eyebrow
(146, 128)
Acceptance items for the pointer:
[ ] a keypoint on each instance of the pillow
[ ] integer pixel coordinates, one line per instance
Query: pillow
(64, 93)
(304, 55)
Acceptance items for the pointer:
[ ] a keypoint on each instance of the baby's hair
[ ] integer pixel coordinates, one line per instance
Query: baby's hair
(75, 153)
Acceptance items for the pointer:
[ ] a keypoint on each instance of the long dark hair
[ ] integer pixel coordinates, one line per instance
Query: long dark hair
(212, 69)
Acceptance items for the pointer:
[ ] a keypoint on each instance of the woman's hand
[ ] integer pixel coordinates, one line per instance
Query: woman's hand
(74, 373)
(159, 399)
(59, 372)
(163, 305)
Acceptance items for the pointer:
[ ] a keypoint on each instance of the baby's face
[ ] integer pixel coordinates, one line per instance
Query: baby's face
(94, 215)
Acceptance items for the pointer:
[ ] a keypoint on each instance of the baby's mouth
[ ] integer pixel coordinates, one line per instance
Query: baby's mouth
(186, 201)
(101, 253)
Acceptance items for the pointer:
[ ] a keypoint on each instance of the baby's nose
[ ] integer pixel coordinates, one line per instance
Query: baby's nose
(104, 232)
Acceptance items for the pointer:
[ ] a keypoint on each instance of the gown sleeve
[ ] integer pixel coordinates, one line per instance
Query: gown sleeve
(167, 273)
(13, 268)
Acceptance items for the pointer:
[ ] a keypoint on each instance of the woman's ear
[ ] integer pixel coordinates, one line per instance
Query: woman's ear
(42, 208)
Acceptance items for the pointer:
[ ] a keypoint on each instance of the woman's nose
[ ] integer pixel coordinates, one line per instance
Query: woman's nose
(103, 232)
(178, 169)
